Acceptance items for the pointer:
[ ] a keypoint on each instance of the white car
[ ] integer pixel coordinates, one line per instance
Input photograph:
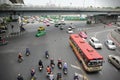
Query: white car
(69, 28)
(110, 44)
(52, 22)
(72, 26)
(115, 60)
(70, 31)
(95, 43)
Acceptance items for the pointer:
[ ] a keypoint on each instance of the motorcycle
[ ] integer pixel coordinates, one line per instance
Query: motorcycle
(40, 68)
(20, 59)
(27, 53)
(65, 71)
(52, 65)
(76, 76)
(46, 55)
(59, 76)
(33, 78)
(60, 66)
(47, 74)
(51, 77)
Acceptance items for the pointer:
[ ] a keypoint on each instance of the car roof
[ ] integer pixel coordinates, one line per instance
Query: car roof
(82, 32)
(110, 41)
(94, 38)
(117, 57)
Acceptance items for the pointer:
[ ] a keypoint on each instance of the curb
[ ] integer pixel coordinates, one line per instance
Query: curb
(15, 35)
(118, 43)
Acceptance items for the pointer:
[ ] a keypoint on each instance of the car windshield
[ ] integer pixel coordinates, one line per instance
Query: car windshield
(111, 43)
(96, 41)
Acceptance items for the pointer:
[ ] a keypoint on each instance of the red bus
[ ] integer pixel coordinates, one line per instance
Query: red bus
(91, 60)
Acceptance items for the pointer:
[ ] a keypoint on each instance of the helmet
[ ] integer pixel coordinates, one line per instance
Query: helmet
(19, 74)
(33, 70)
(59, 59)
(76, 74)
(27, 48)
(46, 51)
(52, 59)
(65, 63)
(20, 53)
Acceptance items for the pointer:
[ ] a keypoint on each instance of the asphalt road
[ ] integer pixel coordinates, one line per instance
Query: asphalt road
(109, 72)
(56, 42)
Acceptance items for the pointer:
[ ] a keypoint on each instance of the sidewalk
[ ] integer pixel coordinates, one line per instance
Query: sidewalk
(13, 31)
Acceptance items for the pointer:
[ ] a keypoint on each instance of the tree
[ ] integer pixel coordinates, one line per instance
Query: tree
(118, 7)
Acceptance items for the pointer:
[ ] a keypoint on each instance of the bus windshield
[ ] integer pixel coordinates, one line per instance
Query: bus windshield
(95, 63)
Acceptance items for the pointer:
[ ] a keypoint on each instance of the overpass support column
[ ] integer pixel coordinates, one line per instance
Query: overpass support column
(90, 19)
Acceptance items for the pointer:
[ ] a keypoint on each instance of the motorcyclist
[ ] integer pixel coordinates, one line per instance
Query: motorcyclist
(76, 76)
(27, 51)
(65, 66)
(20, 57)
(52, 62)
(32, 72)
(48, 69)
(51, 76)
(40, 63)
(59, 62)
(20, 77)
(59, 76)
(46, 53)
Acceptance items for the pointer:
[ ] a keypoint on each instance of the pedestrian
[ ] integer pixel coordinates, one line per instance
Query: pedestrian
(12, 26)
(104, 26)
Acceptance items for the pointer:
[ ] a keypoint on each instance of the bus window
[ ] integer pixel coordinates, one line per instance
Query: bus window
(95, 63)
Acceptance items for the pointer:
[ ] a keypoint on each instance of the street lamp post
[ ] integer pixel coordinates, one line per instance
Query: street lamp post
(70, 4)
(84, 4)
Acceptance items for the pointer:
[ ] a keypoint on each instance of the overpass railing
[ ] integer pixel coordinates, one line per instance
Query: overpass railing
(27, 8)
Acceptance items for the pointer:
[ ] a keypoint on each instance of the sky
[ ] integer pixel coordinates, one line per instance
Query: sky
(75, 3)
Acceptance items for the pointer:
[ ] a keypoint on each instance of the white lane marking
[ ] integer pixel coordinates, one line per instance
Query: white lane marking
(114, 40)
(75, 67)
(101, 32)
(82, 29)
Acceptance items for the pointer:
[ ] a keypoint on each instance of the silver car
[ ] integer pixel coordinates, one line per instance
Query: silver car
(110, 44)
(115, 60)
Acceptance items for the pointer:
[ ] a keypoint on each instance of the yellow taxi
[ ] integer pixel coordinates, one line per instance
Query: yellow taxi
(41, 29)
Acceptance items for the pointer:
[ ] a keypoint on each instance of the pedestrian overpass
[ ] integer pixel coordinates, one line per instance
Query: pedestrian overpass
(25, 10)
(97, 14)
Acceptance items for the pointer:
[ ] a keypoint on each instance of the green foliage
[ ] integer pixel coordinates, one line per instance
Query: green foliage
(5, 5)
(118, 7)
